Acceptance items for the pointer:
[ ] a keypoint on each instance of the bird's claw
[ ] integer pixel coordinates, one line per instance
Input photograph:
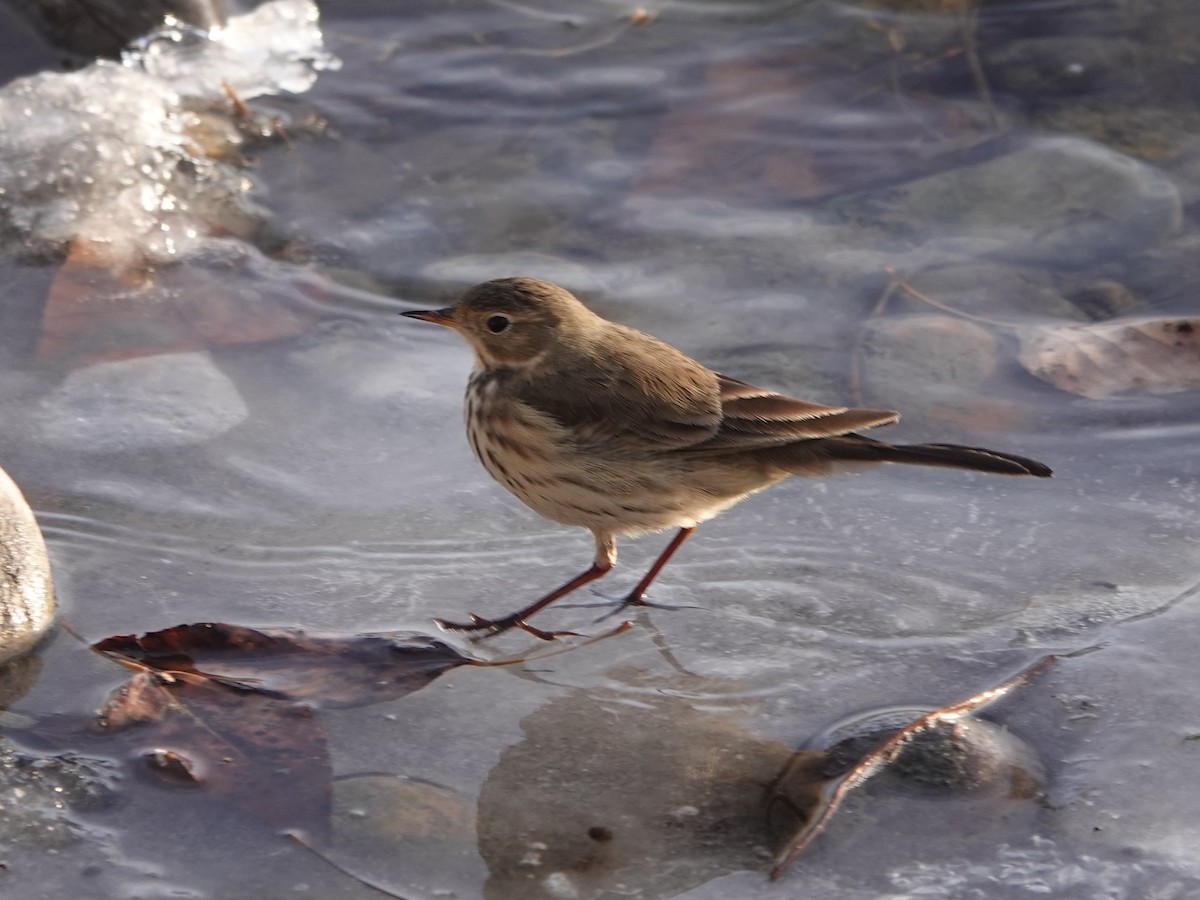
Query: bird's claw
(492, 627)
(477, 623)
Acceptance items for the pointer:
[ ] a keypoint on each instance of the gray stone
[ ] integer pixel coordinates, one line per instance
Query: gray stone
(152, 402)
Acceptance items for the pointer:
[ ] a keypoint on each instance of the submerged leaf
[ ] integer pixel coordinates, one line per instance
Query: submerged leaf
(227, 707)
(216, 705)
(1153, 356)
(264, 755)
(107, 303)
(337, 671)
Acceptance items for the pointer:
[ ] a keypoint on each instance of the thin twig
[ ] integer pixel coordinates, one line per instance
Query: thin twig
(636, 18)
(968, 24)
(925, 298)
(857, 351)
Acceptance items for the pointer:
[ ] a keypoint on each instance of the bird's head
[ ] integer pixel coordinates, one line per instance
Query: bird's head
(514, 321)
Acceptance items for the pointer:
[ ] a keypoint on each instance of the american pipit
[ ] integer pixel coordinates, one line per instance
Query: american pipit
(595, 424)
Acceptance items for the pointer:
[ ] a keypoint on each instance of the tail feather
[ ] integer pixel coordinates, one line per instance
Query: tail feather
(860, 449)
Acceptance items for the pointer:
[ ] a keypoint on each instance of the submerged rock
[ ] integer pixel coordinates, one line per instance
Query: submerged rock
(1061, 202)
(153, 402)
(1063, 64)
(928, 364)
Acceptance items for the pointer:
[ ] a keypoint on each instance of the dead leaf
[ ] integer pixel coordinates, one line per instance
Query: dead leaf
(227, 708)
(1153, 356)
(264, 755)
(819, 795)
(335, 671)
(101, 308)
(215, 705)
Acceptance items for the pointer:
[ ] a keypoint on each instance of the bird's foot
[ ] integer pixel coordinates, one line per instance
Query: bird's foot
(492, 627)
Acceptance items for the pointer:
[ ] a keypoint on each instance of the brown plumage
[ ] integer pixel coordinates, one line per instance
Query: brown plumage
(594, 424)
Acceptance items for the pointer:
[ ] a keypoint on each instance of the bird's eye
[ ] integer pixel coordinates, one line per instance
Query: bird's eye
(497, 324)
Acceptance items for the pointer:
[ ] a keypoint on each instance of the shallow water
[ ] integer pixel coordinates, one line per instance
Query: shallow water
(738, 179)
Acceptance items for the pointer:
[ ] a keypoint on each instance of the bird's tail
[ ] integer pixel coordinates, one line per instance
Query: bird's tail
(856, 448)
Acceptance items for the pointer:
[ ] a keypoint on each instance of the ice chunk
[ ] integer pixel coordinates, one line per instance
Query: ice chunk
(101, 155)
(274, 48)
(106, 154)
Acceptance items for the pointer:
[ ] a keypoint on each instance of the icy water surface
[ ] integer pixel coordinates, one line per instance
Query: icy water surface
(858, 203)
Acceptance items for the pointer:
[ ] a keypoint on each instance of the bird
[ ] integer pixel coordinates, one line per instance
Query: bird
(594, 424)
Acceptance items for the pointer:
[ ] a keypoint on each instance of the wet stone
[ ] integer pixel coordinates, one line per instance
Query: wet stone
(153, 402)
(1058, 202)
(26, 591)
(964, 754)
(742, 243)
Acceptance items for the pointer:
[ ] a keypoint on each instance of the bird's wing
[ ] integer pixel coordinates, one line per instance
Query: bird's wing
(753, 417)
(637, 394)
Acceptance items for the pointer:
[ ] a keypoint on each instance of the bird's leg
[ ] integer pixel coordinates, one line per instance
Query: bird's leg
(635, 597)
(517, 619)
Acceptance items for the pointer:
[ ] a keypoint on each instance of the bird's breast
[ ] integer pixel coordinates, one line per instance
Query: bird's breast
(567, 479)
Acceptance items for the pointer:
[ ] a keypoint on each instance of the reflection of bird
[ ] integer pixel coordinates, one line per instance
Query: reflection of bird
(591, 423)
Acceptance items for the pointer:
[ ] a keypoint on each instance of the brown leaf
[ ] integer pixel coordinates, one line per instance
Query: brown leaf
(1153, 356)
(101, 308)
(143, 698)
(338, 671)
(264, 755)
(215, 706)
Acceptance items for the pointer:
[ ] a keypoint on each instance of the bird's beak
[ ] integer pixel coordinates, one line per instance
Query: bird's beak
(436, 316)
